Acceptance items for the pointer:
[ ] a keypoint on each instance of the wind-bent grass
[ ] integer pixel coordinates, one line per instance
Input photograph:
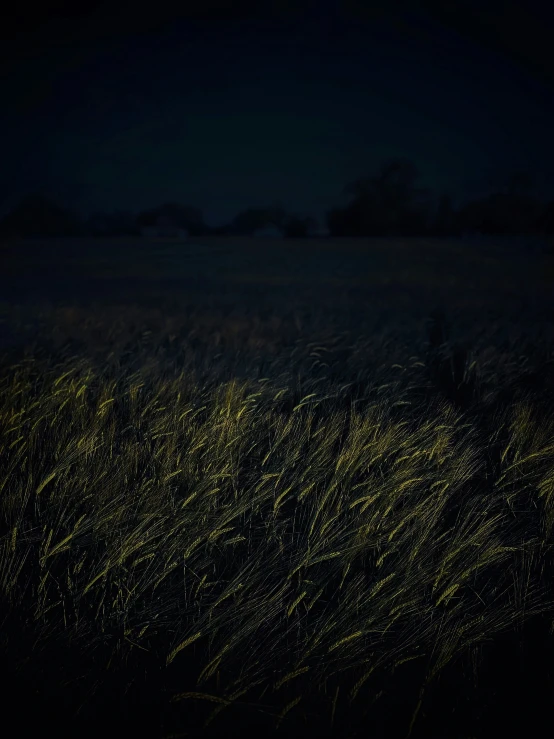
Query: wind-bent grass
(285, 534)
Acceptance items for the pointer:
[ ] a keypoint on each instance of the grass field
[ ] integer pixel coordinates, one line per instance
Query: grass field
(298, 487)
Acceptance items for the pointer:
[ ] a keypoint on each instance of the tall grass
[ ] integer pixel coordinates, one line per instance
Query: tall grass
(277, 523)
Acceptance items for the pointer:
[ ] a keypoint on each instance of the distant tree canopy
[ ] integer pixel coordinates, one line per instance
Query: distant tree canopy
(546, 219)
(386, 204)
(299, 227)
(391, 204)
(36, 216)
(502, 213)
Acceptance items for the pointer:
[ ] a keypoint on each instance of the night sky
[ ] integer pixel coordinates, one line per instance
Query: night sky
(282, 101)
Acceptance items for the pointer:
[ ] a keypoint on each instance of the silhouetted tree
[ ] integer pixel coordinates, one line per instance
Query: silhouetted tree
(501, 213)
(387, 204)
(38, 217)
(298, 227)
(343, 221)
(545, 219)
(510, 209)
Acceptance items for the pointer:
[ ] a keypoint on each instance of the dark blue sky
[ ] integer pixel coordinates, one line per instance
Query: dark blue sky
(223, 110)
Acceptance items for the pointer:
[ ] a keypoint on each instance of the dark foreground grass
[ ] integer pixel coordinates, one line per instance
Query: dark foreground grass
(326, 523)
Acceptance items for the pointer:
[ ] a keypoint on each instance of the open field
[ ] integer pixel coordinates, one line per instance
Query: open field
(303, 487)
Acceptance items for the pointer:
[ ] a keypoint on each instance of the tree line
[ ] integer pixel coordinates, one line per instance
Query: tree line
(389, 203)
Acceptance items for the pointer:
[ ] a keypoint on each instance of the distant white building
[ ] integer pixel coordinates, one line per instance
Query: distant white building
(269, 232)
